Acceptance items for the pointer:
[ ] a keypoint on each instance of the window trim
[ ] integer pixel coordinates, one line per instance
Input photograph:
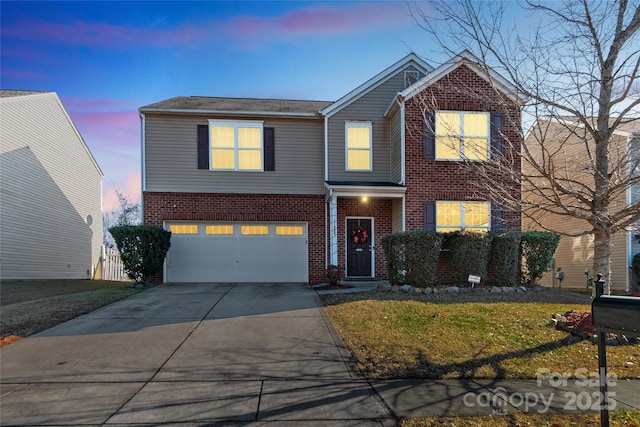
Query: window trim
(408, 80)
(237, 124)
(357, 124)
(462, 224)
(461, 136)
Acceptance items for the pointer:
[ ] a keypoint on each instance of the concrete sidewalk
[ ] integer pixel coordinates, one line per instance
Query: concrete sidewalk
(203, 354)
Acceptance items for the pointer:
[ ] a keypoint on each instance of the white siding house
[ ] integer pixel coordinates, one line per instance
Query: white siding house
(50, 191)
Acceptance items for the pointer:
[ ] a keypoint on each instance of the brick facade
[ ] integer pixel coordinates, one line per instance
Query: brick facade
(378, 209)
(161, 206)
(432, 180)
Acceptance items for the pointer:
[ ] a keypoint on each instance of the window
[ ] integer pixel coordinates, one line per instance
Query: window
(410, 77)
(358, 146)
(219, 229)
(289, 230)
(455, 216)
(254, 229)
(461, 135)
(183, 228)
(236, 146)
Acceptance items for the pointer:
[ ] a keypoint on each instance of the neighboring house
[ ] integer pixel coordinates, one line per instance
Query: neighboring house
(574, 255)
(276, 190)
(50, 191)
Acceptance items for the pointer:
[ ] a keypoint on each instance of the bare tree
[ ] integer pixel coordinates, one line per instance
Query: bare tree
(577, 64)
(127, 214)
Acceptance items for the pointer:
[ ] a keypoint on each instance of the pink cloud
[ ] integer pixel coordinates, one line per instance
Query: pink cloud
(27, 75)
(129, 187)
(109, 131)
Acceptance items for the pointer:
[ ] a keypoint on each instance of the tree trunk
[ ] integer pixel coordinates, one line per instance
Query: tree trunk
(602, 255)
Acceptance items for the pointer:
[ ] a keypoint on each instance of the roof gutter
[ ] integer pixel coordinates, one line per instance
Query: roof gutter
(304, 115)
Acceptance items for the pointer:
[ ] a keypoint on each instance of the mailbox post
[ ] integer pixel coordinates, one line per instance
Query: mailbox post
(618, 314)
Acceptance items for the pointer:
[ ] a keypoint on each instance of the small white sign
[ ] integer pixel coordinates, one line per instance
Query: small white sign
(474, 279)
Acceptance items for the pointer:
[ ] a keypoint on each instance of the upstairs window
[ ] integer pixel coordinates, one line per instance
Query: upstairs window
(456, 216)
(461, 135)
(358, 146)
(236, 146)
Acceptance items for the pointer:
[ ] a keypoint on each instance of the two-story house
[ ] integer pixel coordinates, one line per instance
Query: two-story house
(277, 190)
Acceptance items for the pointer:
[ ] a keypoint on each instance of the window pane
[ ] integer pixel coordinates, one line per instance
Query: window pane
(289, 230)
(476, 148)
(219, 229)
(448, 215)
(447, 123)
(223, 159)
(249, 138)
(184, 228)
(250, 160)
(358, 160)
(476, 215)
(476, 124)
(358, 137)
(254, 229)
(222, 136)
(447, 147)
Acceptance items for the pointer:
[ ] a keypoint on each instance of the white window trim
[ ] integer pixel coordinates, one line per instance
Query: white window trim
(462, 225)
(236, 124)
(462, 136)
(356, 124)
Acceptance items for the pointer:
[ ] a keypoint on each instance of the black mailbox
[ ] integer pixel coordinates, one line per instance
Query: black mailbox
(617, 314)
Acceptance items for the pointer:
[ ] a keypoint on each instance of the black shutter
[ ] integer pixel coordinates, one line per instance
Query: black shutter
(497, 218)
(430, 216)
(203, 147)
(269, 149)
(497, 126)
(429, 135)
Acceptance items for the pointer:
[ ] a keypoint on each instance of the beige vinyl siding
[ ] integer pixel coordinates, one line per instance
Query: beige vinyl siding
(50, 189)
(575, 254)
(395, 141)
(171, 158)
(370, 107)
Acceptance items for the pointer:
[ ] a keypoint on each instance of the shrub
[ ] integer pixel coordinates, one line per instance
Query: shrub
(333, 274)
(143, 249)
(635, 267)
(469, 254)
(537, 249)
(412, 257)
(504, 259)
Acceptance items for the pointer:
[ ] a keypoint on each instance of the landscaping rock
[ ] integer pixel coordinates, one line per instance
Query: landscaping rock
(508, 289)
(452, 290)
(384, 286)
(395, 288)
(495, 289)
(481, 290)
(417, 291)
(405, 288)
(427, 290)
(435, 290)
(521, 289)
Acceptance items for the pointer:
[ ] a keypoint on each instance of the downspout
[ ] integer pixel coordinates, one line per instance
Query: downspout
(402, 157)
(326, 148)
(143, 179)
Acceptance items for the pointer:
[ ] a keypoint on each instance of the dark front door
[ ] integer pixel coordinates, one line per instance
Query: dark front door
(359, 242)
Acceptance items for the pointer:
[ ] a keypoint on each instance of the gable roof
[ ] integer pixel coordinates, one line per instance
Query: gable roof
(238, 106)
(410, 60)
(468, 59)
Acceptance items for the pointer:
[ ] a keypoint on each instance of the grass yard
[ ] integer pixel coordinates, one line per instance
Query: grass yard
(399, 337)
(31, 306)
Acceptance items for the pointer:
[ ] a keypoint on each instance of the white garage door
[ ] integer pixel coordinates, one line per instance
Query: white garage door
(237, 252)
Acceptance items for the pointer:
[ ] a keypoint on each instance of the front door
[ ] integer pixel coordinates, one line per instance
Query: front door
(359, 243)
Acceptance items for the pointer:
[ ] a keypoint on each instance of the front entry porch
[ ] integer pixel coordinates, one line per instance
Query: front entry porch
(358, 218)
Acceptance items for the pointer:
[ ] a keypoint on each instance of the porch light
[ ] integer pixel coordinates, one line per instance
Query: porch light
(364, 199)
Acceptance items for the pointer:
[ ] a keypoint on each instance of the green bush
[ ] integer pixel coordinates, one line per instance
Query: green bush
(412, 257)
(635, 267)
(504, 264)
(537, 249)
(468, 254)
(143, 249)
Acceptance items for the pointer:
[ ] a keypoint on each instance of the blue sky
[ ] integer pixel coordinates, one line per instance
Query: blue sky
(107, 59)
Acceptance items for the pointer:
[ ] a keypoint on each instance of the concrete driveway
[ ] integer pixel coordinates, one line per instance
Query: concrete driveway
(198, 354)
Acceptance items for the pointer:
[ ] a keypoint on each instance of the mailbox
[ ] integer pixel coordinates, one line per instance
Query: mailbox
(616, 314)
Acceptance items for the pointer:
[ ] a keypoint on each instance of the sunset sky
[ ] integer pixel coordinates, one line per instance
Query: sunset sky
(107, 59)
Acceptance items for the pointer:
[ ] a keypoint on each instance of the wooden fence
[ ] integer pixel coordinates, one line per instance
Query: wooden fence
(110, 266)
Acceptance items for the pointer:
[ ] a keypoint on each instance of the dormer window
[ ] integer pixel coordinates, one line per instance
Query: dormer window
(410, 77)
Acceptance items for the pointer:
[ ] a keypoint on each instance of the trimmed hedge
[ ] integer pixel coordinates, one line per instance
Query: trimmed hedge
(143, 249)
(468, 254)
(537, 249)
(412, 257)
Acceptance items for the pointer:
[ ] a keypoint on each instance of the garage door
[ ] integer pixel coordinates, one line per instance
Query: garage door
(237, 252)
